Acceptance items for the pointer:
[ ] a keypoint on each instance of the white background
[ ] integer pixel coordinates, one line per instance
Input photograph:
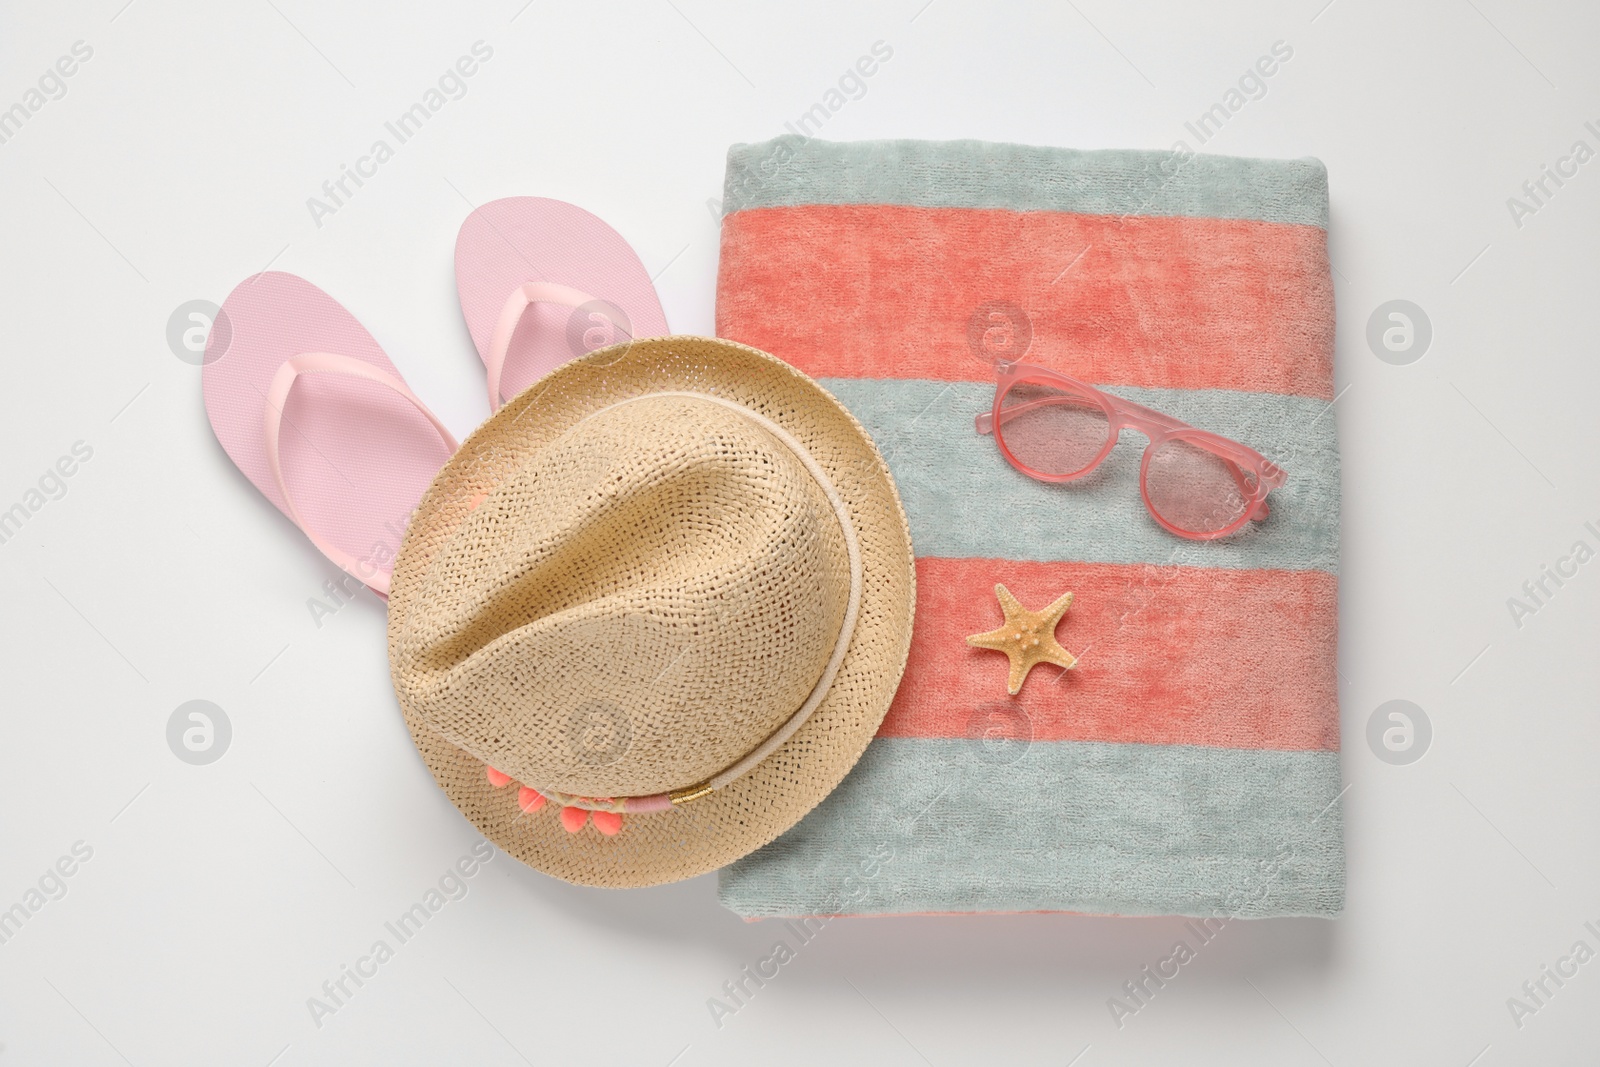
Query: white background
(220, 897)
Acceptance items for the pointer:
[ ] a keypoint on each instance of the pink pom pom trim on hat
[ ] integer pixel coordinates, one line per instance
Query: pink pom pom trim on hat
(604, 812)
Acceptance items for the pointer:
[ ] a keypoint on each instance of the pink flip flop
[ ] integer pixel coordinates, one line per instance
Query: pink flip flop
(541, 282)
(312, 411)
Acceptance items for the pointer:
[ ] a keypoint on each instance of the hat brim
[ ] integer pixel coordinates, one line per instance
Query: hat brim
(712, 831)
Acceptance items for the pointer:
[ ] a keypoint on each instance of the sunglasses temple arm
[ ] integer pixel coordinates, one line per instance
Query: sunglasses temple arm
(984, 423)
(1148, 415)
(1260, 511)
(1240, 453)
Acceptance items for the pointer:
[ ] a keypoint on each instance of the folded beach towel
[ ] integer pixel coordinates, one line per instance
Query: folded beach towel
(1189, 763)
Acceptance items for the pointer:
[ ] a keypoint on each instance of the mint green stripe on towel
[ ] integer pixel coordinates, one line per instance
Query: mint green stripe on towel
(792, 171)
(964, 500)
(930, 825)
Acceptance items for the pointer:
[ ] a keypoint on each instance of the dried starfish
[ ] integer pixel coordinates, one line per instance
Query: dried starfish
(1027, 637)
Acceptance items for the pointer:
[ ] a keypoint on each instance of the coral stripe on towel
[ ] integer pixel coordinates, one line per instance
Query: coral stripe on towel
(1247, 664)
(880, 291)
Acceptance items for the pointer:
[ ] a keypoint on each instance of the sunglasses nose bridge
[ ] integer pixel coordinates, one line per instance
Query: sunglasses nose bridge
(1153, 438)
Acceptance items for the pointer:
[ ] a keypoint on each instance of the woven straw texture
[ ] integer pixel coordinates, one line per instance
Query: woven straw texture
(622, 600)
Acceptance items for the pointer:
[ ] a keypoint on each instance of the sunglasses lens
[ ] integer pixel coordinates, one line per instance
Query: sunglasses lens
(1052, 430)
(1197, 490)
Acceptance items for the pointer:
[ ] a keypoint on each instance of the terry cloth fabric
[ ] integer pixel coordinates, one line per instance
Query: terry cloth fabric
(1189, 764)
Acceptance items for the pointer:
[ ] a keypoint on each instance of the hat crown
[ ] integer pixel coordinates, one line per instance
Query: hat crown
(641, 603)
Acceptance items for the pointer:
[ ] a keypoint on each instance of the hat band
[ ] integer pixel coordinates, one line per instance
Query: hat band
(665, 801)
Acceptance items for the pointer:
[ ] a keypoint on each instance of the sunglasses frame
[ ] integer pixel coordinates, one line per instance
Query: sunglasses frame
(1158, 427)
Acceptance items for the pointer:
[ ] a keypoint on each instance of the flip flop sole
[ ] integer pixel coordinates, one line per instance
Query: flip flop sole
(356, 456)
(507, 243)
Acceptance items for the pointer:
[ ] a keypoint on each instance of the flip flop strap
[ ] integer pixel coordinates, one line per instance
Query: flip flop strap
(276, 397)
(511, 314)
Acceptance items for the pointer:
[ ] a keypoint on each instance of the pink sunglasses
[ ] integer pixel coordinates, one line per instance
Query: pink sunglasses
(1054, 428)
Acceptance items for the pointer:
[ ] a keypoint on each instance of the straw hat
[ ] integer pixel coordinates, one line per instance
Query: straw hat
(652, 611)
